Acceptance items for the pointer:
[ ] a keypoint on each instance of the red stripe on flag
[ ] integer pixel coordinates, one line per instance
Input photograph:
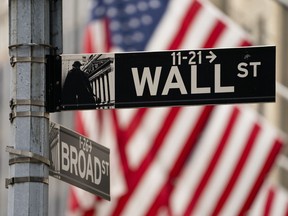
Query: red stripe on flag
(163, 197)
(215, 34)
(99, 116)
(108, 44)
(79, 124)
(89, 212)
(205, 178)
(123, 135)
(286, 212)
(192, 140)
(75, 207)
(88, 41)
(135, 177)
(120, 143)
(269, 201)
(134, 124)
(73, 202)
(237, 170)
(186, 22)
(266, 167)
(245, 43)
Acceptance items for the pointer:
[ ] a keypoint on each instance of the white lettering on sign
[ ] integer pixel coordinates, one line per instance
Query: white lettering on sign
(244, 68)
(218, 87)
(179, 84)
(146, 77)
(175, 81)
(81, 163)
(194, 87)
(193, 57)
(85, 144)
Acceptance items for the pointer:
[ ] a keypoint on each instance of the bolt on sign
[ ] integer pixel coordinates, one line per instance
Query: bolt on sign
(79, 161)
(167, 78)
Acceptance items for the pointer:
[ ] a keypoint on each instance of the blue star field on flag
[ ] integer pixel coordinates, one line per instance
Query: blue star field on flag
(131, 22)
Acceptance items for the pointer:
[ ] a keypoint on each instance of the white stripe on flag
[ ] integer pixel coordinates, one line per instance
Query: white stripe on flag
(271, 198)
(232, 37)
(85, 199)
(140, 144)
(99, 35)
(157, 174)
(233, 34)
(105, 208)
(197, 164)
(125, 116)
(226, 165)
(199, 29)
(90, 124)
(255, 162)
(280, 202)
(258, 208)
(170, 23)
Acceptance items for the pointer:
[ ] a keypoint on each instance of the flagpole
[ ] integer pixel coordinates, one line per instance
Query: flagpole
(28, 151)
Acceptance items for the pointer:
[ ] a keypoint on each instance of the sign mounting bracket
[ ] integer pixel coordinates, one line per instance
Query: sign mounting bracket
(53, 83)
(28, 154)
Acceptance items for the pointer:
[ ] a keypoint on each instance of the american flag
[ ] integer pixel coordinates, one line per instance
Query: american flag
(271, 200)
(202, 160)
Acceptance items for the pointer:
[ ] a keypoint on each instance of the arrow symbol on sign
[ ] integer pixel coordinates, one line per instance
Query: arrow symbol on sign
(212, 57)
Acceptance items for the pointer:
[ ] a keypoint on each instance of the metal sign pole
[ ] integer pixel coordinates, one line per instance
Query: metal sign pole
(29, 149)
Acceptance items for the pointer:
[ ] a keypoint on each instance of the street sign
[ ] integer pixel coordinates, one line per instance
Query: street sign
(79, 161)
(168, 78)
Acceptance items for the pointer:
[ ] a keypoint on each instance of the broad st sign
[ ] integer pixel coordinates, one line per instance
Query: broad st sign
(79, 161)
(169, 78)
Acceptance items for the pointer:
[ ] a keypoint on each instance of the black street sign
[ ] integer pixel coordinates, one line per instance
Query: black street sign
(168, 78)
(79, 161)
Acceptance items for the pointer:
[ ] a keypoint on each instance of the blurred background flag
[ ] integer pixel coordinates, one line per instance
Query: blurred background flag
(159, 25)
(271, 200)
(202, 160)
